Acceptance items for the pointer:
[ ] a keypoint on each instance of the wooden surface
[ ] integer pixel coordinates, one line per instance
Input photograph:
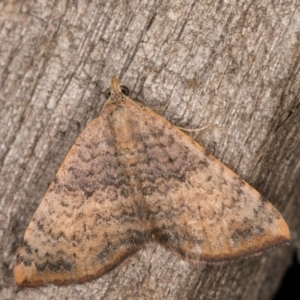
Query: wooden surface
(233, 65)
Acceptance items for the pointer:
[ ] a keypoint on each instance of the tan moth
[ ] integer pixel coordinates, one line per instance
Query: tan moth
(132, 176)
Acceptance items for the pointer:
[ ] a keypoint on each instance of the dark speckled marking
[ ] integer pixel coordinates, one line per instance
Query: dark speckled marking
(25, 245)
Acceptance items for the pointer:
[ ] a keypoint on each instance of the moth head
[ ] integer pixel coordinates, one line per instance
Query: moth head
(116, 89)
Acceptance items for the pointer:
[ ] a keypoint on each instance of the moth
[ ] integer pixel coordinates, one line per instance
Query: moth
(131, 177)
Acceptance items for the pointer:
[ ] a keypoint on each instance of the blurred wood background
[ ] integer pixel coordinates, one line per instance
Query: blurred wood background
(231, 64)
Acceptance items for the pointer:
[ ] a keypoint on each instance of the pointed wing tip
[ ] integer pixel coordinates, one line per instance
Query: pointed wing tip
(20, 276)
(280, 235)
(285, 231)
(281, 232)
(27, 277)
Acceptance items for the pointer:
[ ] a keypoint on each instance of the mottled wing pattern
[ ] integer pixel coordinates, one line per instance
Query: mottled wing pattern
(132, 175)
(86, 224)
(197, 206)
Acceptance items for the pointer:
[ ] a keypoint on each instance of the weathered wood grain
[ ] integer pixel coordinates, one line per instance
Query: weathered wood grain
(57, 58)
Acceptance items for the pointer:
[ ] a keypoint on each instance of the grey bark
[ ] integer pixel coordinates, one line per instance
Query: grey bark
(233, 65)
